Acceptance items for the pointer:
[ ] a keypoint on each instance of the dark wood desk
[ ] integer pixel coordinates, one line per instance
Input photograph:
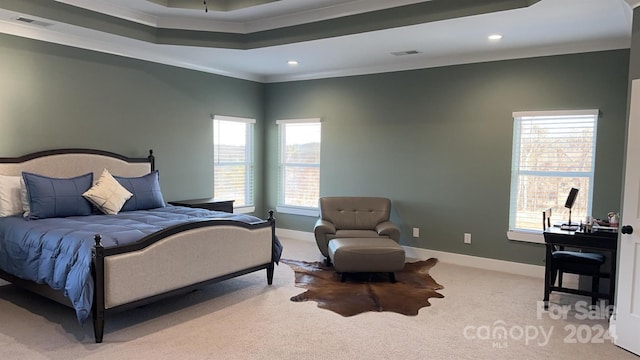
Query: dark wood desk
(209, 204)
(604, 241)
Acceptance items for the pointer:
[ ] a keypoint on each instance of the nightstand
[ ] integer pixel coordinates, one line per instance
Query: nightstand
(209, 204)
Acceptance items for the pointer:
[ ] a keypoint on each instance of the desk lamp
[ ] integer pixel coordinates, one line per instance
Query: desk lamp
(573, 193)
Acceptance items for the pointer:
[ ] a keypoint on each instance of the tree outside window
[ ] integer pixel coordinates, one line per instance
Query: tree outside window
(553, 151)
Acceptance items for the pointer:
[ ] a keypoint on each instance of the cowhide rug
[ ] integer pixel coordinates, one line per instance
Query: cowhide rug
(366, 292)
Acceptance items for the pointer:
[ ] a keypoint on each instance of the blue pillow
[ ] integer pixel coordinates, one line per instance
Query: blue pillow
(146, 192)
(56, 197)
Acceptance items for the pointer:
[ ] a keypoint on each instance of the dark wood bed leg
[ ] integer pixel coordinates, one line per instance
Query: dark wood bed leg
(271, 266)
(97, 309)
(270, 269)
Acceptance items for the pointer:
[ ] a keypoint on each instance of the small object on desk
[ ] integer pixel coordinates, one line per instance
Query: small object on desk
(603, 228)
(572, 227)
(588, 227)
(209, 204)
(588, 224)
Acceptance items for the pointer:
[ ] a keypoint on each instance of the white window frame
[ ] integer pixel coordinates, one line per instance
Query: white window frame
(287, 208)
(532, 235)
(249, 162)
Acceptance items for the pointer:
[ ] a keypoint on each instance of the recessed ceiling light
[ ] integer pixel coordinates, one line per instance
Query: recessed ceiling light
(495, 37)
(292, 62)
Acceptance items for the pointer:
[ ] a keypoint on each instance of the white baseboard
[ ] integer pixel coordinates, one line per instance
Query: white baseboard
(295, 234)
(446, 257)
(477, 262)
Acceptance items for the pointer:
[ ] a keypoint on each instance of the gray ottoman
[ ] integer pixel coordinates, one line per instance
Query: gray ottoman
(353, 255)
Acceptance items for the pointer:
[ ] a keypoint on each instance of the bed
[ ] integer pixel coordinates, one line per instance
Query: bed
(90, 229)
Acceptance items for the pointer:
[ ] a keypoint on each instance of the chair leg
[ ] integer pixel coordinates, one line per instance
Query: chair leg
(560, 278)
(392, 277)
(343, 277)
(547, 291)
(554, 275)
(327, 261)
(550, 280)
(595, 287)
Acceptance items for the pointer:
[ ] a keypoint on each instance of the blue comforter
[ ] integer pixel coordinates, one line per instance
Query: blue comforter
(57, 251)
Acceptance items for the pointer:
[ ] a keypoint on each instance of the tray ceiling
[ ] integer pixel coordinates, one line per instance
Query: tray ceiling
(255, 39)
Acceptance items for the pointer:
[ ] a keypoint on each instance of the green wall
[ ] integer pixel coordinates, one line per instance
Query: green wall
(437, 142)
(56, 96)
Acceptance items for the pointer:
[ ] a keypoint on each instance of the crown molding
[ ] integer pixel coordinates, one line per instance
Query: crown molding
(143, 51)
(107, 8)
(200, 22)
(453, 60)
(131, 48)
(100, 17)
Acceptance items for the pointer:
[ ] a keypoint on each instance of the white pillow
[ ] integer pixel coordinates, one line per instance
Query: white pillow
(10, 195)
(107, 194)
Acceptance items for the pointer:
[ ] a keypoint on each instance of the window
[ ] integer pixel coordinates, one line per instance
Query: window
(233, 167)
(299, 178)
(553, 151)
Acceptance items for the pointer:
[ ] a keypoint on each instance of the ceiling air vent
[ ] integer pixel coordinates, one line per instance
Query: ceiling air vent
(33, 21)
(407, 52)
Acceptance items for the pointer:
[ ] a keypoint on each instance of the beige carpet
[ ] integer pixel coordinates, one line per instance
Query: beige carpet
(246, 319)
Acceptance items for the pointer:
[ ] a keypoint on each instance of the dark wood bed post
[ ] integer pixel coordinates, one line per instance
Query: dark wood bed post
(97, 310)
(152, 159)
(271, 266)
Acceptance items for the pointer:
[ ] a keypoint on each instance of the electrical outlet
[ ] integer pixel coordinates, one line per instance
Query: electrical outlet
(416, 232)
(467, 238)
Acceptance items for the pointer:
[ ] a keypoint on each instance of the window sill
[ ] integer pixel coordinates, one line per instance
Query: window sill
(312, 212)
(526, 236)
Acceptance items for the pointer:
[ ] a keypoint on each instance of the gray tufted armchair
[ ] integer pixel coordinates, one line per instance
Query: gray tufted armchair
(350, 216)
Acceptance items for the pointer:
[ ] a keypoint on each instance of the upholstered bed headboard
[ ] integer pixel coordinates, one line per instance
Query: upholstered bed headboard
(66, 163)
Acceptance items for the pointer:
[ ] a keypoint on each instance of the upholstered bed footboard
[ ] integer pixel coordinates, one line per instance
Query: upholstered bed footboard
(178, 259)
(184, 259)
